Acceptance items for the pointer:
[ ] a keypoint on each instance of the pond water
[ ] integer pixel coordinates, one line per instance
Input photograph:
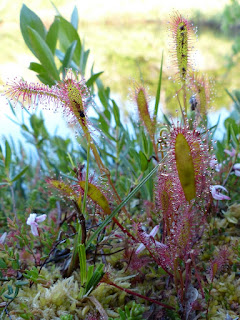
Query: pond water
(129, 49)
(133, 51)
(57, 125)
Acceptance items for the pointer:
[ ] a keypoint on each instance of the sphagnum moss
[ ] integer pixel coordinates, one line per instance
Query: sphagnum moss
(62, 297)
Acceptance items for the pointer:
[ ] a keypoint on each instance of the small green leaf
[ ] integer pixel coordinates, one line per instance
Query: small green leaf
(10, 289)
(37, 67)
(96, 277)
(122, 314)
(83, 59)
(103, 125)
(29, 19)
(83, 263)
(2, 290)
(167, 120)
(220, 149)
(122, 142)
(46, 79)
(133, 153)
(116, 113)
(68, 34)
(145, 142)
(228, 133)
(90, 273)
(143, 161)
(70, 159)
(52, 35)
(8, 154)
(102, 94)
(15, 265)
(93, 78)
(21, 173)
(43, 53)
(61, 55)
(107, 114)
(232, 122)
(68, 56)
(234, 138)
(3, 264)
(127, 310)
(74, 18)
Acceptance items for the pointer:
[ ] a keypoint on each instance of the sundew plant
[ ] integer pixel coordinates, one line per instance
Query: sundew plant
(132, 224)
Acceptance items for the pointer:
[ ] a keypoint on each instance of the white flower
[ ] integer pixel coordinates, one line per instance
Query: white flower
(231, 153)
(3, 238)
(152, 234)
(33, 222)
(236, 169)
(216, 193)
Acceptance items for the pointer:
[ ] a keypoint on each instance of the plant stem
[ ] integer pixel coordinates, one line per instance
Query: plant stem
(81, 226)
(81, 220)
(185, 96)
(81, 237)
(231, 167)
(86, 180)
(140, 295)
(14, 205)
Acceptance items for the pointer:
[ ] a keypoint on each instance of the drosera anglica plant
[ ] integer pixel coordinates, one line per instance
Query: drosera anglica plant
(71, 96)
(155, 253)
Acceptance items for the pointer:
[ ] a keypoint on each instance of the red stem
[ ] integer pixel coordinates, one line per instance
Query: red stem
(124, 230)
(140, 296)
(197, 275)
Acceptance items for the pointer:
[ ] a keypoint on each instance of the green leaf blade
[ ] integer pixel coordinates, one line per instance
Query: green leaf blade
(143, 161)
(43, 53)
(29, 19)
(67, 35)
(158, 90)
(21, 173)
(8, 155)
(68, 56)
(75, 18)
(93, 78)
(83, 263)
(52, 35)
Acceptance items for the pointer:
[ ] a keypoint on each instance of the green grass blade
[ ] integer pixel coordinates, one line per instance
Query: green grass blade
(95, 279)
(90, 273)
(21, 173)
(121, 205)
(231, 96)
(158, 90)
(83, 263)
(75, 18)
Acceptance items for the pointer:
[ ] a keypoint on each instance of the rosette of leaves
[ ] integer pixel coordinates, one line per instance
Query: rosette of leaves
(134, 312)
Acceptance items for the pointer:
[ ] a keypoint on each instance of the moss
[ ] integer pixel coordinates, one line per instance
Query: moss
(62, 298)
